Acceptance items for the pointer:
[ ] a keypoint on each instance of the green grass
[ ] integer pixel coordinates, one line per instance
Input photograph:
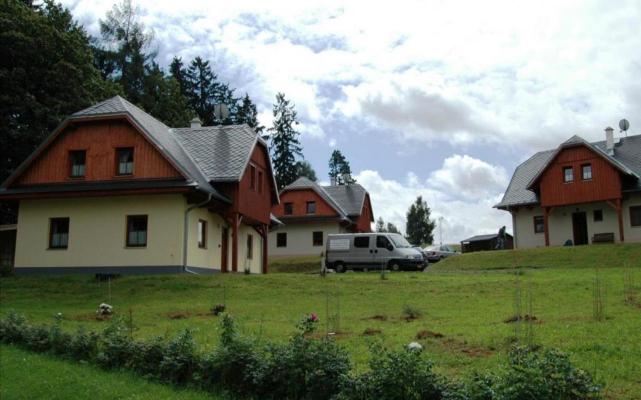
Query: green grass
(25, 375)
(306, 264)
(606, 255)
(467, 307)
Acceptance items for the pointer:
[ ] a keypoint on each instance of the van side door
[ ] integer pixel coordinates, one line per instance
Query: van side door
(383, 252)
(361, 255)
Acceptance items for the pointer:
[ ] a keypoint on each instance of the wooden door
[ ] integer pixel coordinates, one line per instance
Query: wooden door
(224, 249)
(580, 228)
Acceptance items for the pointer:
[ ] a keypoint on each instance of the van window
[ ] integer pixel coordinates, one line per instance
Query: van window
(382, 242)
(361, 241)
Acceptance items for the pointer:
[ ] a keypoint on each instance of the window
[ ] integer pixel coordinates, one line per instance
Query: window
(77, 159)
(598, 215)
(382, 242)
(289, 208)
(317, 238)
(568, 174)
(539, 224)
(252, 177)
(311, 207)
(281, 239)
(586, 172)
(250, 247)
(125, 158)
(635, 216)
(361, 241)
(136, 230)
(260, 181)
(202, 234)
(58, 233)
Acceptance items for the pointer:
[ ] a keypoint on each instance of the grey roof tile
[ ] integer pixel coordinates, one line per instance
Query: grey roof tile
(627, 157)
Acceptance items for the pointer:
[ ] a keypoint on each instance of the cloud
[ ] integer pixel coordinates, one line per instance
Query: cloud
(466, 211)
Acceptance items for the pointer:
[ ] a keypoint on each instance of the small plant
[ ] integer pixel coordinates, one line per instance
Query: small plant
(218, 309)
(104, 310)
(307, 324)
(410, 313)
(179, 359)
(598, 297)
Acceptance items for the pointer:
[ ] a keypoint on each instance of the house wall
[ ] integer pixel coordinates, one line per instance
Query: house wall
(255, 263)
(97, 230)
(299, 198)
(604, 185)
(99, 139)
(250, 202)
(560, 221)
(209, 257)
(364, 221)
(299, 239)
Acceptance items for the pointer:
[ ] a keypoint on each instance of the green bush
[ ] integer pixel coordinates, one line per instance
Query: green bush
(12, 328)
(115, 346)
(147, 356)
(179, 359)
(395, 375)
(83, 346)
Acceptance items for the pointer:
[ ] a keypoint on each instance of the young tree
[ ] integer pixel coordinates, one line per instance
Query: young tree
(419, 227)
(339, 167)
(304, 168)
(247, 114)
(285, 146)
(46, 73)
(380, 225)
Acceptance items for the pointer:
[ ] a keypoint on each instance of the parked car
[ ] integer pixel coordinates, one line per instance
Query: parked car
(371, 251)
(439, 252)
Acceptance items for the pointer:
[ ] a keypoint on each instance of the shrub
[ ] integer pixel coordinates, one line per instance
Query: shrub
(12, 328)
(179, 359)
(544, 375)
(395, 375)
(115, 346)
(147, 357)
(411, 312)
(83, 346)
(233, 363)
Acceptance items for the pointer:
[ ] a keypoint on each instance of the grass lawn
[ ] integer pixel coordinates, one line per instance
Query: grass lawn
(26, 375)
(463, 308)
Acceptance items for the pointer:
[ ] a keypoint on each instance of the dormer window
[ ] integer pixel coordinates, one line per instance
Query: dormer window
(288, 208)
(586, 172)
(568, 175)
(77, 160)
(125, 160)
(311, 207)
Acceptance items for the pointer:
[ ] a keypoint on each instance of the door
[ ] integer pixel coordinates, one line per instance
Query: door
(580, 228)
(361, 254)
(224, 251)
(383, 253)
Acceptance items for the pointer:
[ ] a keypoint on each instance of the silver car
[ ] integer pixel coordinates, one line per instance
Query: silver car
(438, 252)
(371, 251)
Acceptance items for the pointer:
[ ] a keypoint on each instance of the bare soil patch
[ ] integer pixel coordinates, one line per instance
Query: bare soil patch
(178, 314)
(517, 318)
(371, 332)
(426, 334)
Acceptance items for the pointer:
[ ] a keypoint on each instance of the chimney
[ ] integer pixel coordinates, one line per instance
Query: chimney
(609, 140)
(195, 123)
(332, 181)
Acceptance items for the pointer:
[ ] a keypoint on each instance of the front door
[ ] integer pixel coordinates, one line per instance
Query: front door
(580, 228)
(224, 249)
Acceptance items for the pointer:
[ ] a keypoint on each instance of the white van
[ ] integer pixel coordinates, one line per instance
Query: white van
(371, 251)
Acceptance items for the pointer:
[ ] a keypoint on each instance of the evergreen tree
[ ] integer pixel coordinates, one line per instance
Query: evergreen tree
(202, 86)
(179, 73)
(304, 168)
(162, 98)
(247, 114)
(225, 95)
(419, 228)
(46, 74)
(285, 146)
(380, 225)
(339, 167)
(124, 58)
(391, 228)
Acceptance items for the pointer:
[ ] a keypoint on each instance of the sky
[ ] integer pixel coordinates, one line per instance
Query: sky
(441, 99)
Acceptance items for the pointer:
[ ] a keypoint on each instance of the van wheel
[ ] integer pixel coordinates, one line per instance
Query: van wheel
(395, 267)
(339, 268)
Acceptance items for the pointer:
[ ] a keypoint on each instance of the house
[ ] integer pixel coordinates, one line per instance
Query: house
(310, 212)
(485, 243)
(114, 190)
(578, 193)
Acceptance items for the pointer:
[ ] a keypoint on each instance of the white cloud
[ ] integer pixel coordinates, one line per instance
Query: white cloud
(332, 142)
(466, 210)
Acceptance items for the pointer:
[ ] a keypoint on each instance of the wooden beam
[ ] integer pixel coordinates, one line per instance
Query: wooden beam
(546, 214)
(619, 209)
(265, 247)
(234, 242)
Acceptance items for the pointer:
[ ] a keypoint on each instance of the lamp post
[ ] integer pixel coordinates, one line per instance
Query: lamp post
(440, 229)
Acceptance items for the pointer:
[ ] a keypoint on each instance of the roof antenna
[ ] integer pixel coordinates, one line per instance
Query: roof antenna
(624, 125)
(221, 111)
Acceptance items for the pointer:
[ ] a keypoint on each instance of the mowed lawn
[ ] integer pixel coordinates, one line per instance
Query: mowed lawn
(462, 323)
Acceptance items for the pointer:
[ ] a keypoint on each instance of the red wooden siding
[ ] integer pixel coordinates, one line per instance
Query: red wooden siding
(250, 202)
(99, 139)
(299, 198)
(364, 221)
(604, 185)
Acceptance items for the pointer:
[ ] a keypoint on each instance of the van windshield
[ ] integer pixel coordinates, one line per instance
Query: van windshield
(399, 241)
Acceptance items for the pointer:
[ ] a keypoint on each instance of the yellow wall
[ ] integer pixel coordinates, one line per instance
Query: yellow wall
(255, 263)
(97, 229)
(209, 257)
(299, 239)
(632, 234)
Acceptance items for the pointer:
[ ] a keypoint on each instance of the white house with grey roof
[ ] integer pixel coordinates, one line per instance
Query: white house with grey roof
(579, 193)
(309, 212)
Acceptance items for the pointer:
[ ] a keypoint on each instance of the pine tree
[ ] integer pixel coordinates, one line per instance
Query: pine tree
(162, 98)
(339, 167)
(179, 73)
(380, 225)
(304, 168)
(201, 87)
(247, 114)
(419, 228)
(285, 146)
(391, 228)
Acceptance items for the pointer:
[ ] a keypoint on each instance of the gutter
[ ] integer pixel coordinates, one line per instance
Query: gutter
(186, 230)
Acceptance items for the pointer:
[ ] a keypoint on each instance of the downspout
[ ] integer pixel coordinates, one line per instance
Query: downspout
(186, 231)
